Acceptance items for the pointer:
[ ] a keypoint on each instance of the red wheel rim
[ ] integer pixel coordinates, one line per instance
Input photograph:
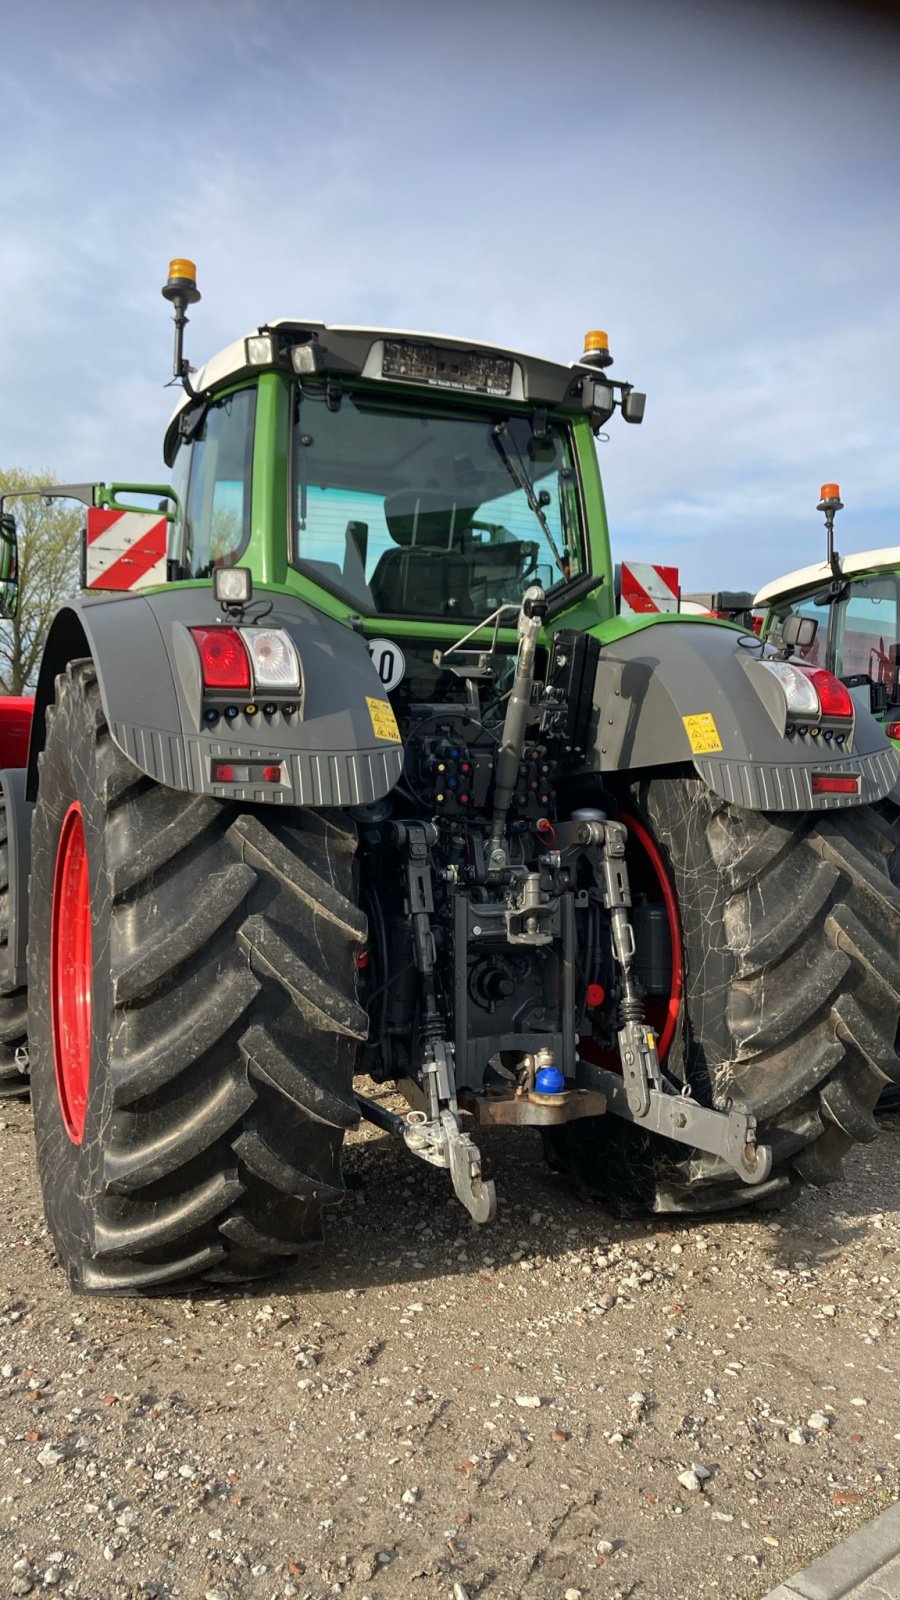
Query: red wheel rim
(666, 1011)
(71, 973)
(653, 853)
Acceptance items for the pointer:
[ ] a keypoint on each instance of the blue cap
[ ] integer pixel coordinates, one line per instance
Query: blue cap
(549, 1080)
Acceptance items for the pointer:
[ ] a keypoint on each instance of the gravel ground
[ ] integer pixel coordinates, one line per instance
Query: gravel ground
(561, 1405)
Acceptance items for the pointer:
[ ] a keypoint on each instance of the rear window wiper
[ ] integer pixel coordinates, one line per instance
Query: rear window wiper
(516, 468)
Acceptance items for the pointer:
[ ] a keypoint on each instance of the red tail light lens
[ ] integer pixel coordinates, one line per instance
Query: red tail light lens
(834, 696)
(892, 729)
(223, 660)
(824, 783)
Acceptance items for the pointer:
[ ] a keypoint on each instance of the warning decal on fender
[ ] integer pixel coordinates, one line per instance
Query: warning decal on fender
(384, 723)
(703, 734)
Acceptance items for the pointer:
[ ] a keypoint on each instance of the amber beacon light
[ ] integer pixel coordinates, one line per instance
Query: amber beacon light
(182, 281)
(181, 291)
(830, 502)
(596, 349)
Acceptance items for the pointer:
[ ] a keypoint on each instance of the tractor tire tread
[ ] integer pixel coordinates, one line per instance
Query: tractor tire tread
(235, 1025)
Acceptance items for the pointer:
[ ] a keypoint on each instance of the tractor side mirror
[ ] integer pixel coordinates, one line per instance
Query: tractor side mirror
(9, 566)
(798, 632)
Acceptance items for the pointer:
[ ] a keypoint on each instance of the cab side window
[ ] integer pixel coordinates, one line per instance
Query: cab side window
(217, 510)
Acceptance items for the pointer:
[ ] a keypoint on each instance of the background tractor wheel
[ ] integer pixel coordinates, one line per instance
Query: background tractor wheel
(13, 1002)
(790, 930)
(889, 1102)
(194, 1021)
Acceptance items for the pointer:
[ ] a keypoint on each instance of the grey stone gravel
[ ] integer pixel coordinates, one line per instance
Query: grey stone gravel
(356, 1429)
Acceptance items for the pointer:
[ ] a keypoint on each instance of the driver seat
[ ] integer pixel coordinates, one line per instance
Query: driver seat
(427, 574)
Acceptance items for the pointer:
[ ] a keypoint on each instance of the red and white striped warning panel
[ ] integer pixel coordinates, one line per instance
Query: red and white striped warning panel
(646, 587)
(125, 549)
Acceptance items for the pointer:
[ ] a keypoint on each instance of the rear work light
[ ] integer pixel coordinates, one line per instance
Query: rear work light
(224, 662)
(825, 783)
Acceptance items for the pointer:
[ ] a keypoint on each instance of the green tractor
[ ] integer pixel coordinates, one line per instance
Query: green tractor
(344, 765)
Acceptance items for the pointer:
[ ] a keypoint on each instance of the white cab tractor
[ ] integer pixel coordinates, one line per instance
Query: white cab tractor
(843, 614)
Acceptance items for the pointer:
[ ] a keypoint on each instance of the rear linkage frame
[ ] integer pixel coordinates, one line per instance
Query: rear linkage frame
(642, 1095)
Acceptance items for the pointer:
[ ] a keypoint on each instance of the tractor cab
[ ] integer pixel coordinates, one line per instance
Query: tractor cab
(851, 605)
(392, 476)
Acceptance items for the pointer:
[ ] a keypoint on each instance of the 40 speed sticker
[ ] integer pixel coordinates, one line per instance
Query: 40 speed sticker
(389, 662)
(703, 734)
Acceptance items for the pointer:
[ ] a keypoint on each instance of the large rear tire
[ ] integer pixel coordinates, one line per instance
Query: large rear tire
(791, 936)
(194, 1020)
(13, 1001)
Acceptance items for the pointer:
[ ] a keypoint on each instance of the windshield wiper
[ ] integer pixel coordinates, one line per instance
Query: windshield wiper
(515, 466)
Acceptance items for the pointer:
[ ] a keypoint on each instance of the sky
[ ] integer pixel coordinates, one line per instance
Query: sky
(714, 184)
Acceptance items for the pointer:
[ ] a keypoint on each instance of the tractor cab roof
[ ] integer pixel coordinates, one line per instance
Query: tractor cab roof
(808, 579)
(435, 361)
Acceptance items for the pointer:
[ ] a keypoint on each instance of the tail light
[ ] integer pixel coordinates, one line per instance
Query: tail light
(834, 696)
(812, 694)
(224, 662)
(246, 772)
(247, 658)
(798, 688)
(275, 661)
(827, 783)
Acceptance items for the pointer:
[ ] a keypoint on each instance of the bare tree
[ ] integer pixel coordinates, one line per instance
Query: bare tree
(49, 571)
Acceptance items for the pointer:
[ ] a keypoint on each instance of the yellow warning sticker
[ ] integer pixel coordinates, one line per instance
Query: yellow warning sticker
(384, 723)
(702, 731)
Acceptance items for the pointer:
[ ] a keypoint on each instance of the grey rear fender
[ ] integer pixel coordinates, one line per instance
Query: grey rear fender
(649, 681)
(337, 749)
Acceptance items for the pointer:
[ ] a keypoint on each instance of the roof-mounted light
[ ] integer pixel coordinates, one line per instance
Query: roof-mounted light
(181, 291)
(182, 281)
(260, 350)
(305, 358)
(596, 349)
